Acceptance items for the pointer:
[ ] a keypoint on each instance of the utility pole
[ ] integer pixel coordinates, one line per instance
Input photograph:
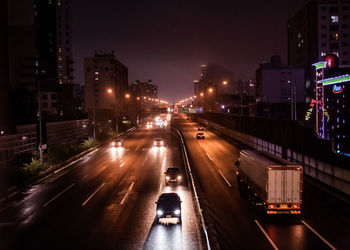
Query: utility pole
(40, 123)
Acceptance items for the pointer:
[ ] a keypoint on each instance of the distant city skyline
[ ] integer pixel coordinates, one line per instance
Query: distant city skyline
(168, 42)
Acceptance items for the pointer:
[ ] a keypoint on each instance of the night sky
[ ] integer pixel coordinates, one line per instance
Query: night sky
(168, 40)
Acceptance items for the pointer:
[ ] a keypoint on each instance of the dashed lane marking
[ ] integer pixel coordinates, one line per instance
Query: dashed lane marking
(318, 235)
(93, 194)
(47, 203)
(266, 235)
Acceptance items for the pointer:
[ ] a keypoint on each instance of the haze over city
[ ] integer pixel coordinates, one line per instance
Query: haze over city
(168, 41)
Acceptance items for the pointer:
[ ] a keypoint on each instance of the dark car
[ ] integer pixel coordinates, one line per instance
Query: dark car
(200, 128)
(172, 175)
(168, 206)
(200, 135)
(117, 143)
(158, 142)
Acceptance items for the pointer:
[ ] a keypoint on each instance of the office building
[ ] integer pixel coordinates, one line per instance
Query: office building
(106, 84)
(6, 122)
(319, 28)
(280, 90)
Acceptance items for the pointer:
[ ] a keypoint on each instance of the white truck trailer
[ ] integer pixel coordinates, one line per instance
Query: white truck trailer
(277, 183)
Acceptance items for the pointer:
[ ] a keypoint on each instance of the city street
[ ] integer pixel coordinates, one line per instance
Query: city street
(234, 223)
(104, 201)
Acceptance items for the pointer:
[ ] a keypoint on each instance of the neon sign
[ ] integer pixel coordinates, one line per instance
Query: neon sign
(337, 89)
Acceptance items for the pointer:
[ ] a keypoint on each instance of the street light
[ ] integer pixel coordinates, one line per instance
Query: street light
(127, 96)
(210, 90)
(202, 94)
(110, 91)
(224, 82)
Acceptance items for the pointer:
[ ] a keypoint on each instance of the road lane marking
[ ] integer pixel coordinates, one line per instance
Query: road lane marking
(93, 194)
(47, 203)
(121, 164)
(71, 163)
(266, 235)
(209, 156)
(228, 183)
(319, 236)
(127, 193)
(138, 147)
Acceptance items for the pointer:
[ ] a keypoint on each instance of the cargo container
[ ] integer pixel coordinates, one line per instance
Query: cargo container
(277, 184)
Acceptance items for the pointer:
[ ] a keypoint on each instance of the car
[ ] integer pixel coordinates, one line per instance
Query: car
(200, 128)
(200, 135)
(168, 206)
(158, 142)
(173, 175)
(117, 143)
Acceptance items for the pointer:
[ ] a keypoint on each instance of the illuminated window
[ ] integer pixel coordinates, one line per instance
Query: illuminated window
(59, 50)
(323, 53)
(334, 19)
(334, 36)
(96, 78)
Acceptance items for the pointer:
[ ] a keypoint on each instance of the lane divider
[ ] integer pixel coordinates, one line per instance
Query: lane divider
(187, 163)
(266, 235)
(127, 193)
(209, 156)
(318, 235)
(227, 182)
(93, 194)
(47, 203)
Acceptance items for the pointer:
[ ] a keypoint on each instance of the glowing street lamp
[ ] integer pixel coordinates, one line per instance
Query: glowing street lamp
(224, 82)
(210, 90)
(127, 96)
(202, 94)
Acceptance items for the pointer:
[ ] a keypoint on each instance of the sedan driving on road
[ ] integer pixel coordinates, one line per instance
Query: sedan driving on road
(168, 206)
(117, 143)
(158, 142)
(200, 135)
(173, 175)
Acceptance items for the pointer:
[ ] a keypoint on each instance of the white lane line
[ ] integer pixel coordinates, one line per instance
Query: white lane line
(71, 163)
(121, 164)
(209, 156)
(228, 183)
(93, 194)
(47, 203)
(319, 236)
(127, 193)
(266, 235)
(138, 147)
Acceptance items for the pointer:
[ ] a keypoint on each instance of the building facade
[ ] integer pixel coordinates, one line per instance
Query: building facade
(6, 121)
(106, 84)
(279, 88)
(332, 103)
(319, 28)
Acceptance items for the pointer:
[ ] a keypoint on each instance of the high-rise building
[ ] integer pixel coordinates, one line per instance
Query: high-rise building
(319, 28)
(53, 24)
(144, 89)
(6, 123)
(279, 88)
(44, 61)
(106, 83)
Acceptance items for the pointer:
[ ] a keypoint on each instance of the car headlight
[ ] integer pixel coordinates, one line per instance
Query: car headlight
(161, 143)
(179, 177)
(177, 211)
(113, 144)
(155, 143)
(168, 178)
(159, 212)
